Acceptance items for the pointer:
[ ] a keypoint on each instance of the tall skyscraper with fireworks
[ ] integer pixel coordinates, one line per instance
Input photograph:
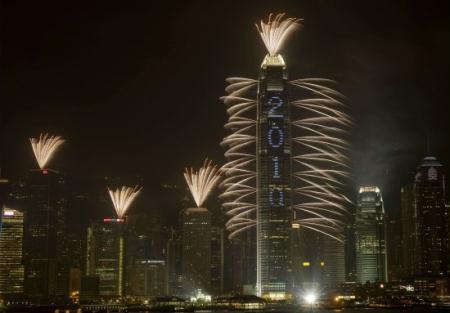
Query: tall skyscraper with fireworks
(46, 269)
(286, 160)
(273, 163)
(196, 237)
(45, 254)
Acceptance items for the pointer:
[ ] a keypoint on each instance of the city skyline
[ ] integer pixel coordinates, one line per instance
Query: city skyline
(327, 185)
(374, 76)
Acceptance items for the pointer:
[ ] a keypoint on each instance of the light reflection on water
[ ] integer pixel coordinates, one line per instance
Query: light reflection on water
(350, 310)
(315, 310)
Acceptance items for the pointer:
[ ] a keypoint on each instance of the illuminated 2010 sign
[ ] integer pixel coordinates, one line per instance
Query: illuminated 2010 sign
(275, 137)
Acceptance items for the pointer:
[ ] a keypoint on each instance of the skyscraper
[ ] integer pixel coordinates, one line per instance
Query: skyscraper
(217, 260)
(318, 261)
(333, 263)
(430, 220)
(45, 253)
(145, 244)
(394, 249)
(174, 264)
(274, 182)
(370, 229)
(105, 256)
(286, 160)
(11, 245)
(243, 260)
(148, 279)
(4, 190)
(409, 231)
(196, 258)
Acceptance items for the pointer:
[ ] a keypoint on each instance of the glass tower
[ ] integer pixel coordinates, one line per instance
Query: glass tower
(273, 162)
(431, 241)
(196, 255)
(105, 256)
(45, 253)
(370, 229)
(11, 239)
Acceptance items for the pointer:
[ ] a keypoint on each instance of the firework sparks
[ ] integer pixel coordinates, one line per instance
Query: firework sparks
(320, 162)
(122, 198)
(239, 185)
(275, 31)
(44, 148)
(322, 166)
(201, 182)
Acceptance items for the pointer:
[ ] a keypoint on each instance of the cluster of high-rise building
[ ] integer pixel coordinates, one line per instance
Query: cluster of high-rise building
(289, 230)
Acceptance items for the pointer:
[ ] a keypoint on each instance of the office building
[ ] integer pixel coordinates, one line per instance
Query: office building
(174, 264)
(370, 230)
(196, 257)
(430, 221)
(217, 260)
(11, 256)
(149, 279)
(45, 249)
(105, 257)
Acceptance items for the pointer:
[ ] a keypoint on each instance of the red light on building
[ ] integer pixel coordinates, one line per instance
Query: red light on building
(113, 220)
(44, 172)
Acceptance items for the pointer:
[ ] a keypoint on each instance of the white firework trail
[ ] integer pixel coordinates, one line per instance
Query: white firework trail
(122, 198)
(319, 148)
(275, 31)
(44, 148)
(321, 167)
(239, 185)
(201, 182)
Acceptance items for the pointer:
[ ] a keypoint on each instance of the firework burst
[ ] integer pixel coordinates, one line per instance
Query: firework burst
(201, 182)
(275, 31)
(322, 166)
(44, 148)
(320, 163)
(122, 198)
(239, 185)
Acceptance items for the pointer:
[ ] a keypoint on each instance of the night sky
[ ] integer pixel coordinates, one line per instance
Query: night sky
(134, 86)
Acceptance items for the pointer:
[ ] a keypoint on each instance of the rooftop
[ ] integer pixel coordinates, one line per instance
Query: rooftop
(430, 161)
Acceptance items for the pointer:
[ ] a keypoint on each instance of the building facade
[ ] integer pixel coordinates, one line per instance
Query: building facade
(196, 257)
(149, 279)
(45, 250)
(409, 231)
(105, 256)
(333, 263)
(217, 260)
(273, 165)
(11, 255)
(243, 261)
(370, 230)
(174, 264)
(430, 220)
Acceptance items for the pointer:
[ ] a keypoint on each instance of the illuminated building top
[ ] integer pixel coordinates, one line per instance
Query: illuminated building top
(276, 60)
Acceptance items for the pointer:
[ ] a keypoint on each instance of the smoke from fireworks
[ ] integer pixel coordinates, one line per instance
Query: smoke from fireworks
(275, 31)
(122, 198)
(319, 148)
(201, 182)
(45, 147)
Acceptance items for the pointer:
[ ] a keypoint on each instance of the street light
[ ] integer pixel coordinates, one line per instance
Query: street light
(310, 298)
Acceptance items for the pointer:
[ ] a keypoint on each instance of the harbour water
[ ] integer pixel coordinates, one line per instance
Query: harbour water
(349, 310)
